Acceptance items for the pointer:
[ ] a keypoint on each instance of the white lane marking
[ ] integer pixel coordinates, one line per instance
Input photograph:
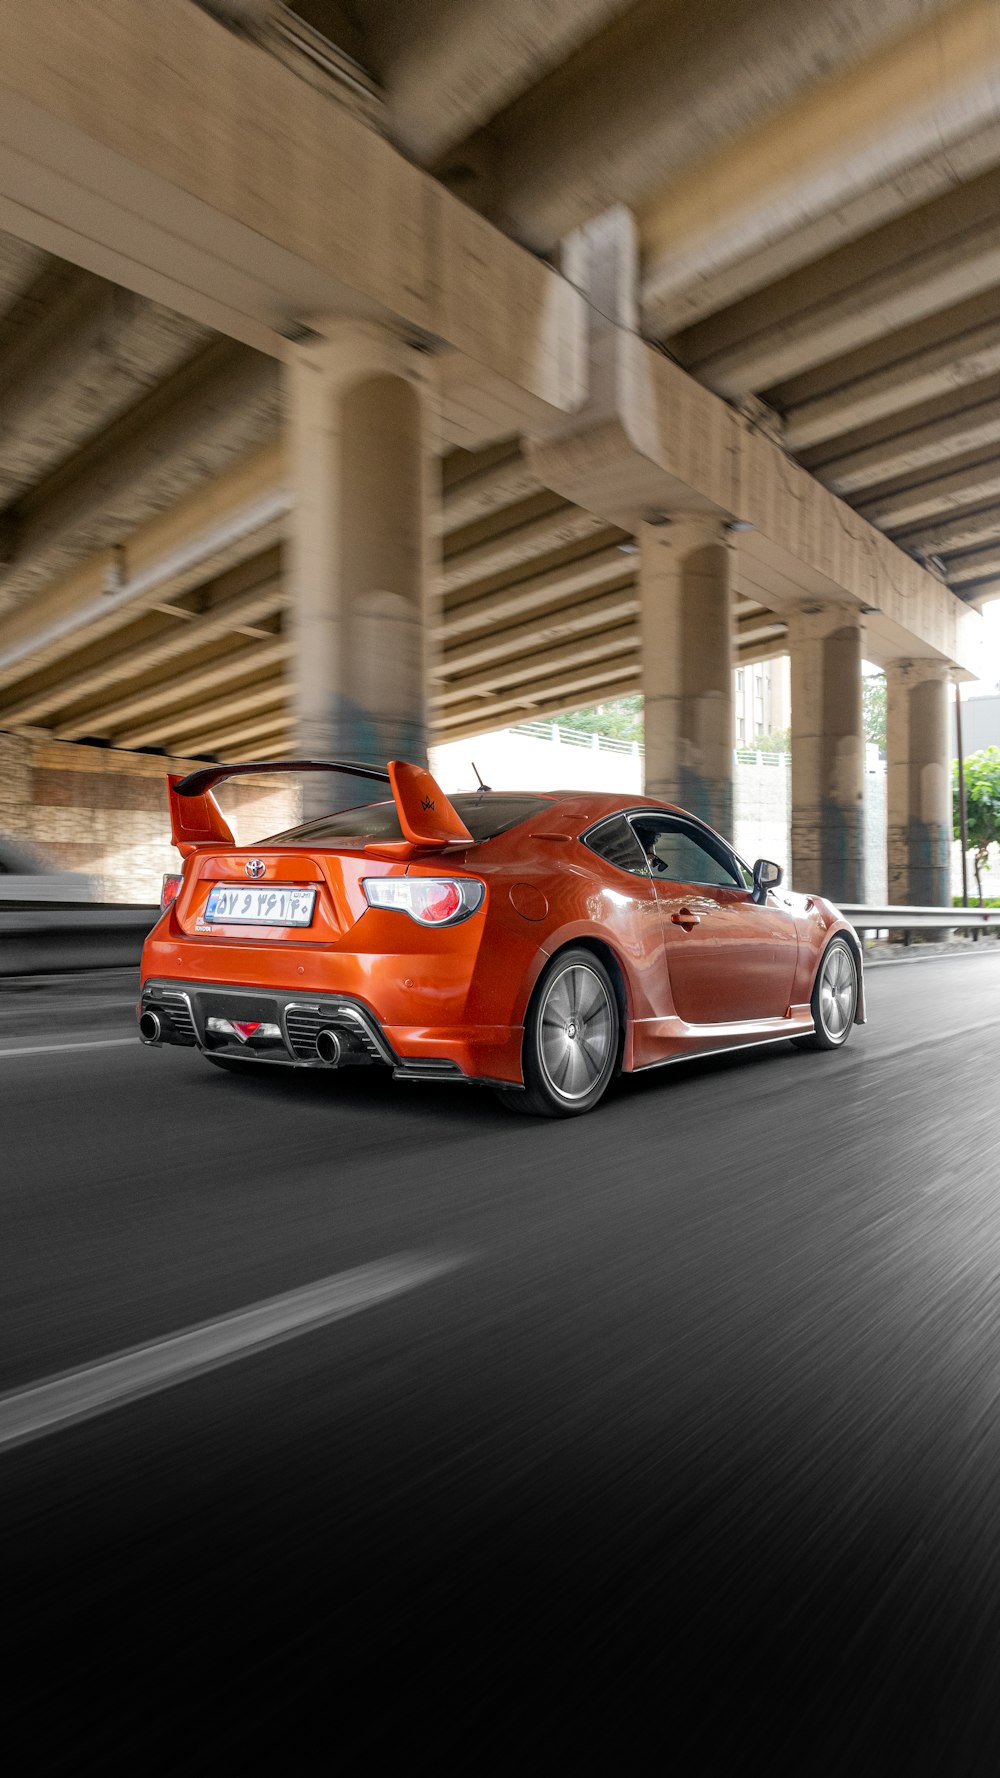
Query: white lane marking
(55, 1049)
(142, 1370)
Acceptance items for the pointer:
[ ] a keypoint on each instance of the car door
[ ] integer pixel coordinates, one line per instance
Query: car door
(730, 960)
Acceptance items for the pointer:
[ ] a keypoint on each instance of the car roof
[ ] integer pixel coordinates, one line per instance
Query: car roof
(590, 805)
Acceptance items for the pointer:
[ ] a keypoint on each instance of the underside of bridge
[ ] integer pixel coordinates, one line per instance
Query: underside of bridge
(675, 324)
(133, 437)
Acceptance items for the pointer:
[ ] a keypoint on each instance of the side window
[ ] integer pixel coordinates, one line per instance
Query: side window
(615, 841)
(678, 853)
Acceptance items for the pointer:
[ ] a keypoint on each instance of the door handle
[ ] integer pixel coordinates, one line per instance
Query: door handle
(686, 917)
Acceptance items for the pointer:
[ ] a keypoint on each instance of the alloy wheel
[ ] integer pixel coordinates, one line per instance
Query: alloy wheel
(577, 1032)
(838, 993)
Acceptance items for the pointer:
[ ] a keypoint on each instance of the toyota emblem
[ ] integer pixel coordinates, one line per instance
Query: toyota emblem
(255, 867)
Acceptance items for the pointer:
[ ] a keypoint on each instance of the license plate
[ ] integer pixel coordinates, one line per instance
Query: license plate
(263, 907)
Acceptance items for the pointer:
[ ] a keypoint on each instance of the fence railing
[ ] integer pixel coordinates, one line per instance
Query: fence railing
(48, 939)
(572, 737)
(905, 919)
(752, 756)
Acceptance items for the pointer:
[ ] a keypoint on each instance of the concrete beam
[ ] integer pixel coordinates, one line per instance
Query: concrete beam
(979, 564)
(443, 82)
(252, 701)
(953, 534)
(187, 634)
(661, 91)
(765, 626)
(920, 377)
(857, 149)
(492, 487)
(973, 479)
(492, 717)
(567, 623)
(218, 530)
(88, 172)
(19, 265)
(91, 350)
(279, 745)
(171, 695)
(563, 574)
(258, 732)
(533, 528)
(668, 436)
(564, 690)
(982, 592)
(969, 428)
(527, 667)
(214, 410)
(917, 266)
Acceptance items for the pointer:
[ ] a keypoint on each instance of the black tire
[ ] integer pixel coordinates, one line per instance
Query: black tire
(834, 1000)
(572, 1039)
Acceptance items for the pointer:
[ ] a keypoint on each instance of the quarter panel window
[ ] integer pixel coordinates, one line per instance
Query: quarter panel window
(615, 842)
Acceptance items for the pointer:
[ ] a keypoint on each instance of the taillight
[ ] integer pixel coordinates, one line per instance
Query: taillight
(431, 901)
(170, 890)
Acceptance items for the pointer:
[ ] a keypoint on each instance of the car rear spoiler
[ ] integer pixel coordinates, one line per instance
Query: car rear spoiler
(426, 817)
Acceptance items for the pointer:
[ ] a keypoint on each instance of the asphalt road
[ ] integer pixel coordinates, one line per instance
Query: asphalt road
(670, 1444)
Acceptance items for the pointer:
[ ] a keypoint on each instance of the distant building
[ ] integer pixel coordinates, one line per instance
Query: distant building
(980, 724)
(762, 703)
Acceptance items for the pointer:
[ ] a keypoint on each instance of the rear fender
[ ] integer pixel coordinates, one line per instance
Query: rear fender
(597, 942)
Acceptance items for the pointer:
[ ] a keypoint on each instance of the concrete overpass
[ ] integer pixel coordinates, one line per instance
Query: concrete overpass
(374, 372)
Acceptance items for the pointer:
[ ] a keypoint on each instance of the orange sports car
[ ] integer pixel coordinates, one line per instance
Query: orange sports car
(535, 943)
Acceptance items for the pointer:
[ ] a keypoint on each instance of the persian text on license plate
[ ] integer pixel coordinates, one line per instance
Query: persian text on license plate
(268, 907)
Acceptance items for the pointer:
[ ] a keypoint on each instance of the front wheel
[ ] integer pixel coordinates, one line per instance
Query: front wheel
(834, 998)
(571, 1039)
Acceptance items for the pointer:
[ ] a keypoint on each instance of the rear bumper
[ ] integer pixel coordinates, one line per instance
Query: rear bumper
(183, 1009)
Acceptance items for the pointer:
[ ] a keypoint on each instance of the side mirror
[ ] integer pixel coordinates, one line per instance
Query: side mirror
(765, 876)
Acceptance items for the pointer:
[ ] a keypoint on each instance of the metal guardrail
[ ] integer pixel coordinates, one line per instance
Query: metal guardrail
(45, 938)
(50, 938)
(900, 919)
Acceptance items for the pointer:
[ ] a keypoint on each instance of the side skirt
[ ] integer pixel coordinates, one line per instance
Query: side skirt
(727, 1049)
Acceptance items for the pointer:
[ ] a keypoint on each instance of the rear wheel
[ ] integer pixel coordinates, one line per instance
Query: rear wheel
(570, 1039)
(834, 998)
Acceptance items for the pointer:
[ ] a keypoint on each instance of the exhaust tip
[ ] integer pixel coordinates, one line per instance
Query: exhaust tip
(150, 1029)
(329, 1048)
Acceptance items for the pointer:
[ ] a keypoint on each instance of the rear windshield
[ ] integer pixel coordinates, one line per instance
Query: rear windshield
(484, 816)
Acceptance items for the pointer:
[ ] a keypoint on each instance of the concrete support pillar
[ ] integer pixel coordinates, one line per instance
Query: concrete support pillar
(918, 783)
(687, 665)
(360, 421)
(828, 751)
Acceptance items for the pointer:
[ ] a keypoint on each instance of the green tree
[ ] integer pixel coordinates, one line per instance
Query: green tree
(873, 708)
(778, 740)
(619, 718)
(982, 807)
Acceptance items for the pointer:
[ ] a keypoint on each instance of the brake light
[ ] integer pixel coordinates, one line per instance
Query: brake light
(431, 901)
(170, 890)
